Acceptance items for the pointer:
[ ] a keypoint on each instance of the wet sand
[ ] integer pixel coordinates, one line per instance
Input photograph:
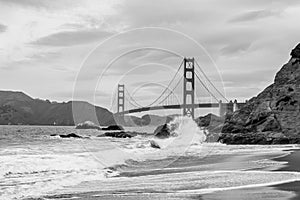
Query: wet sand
(278, 192)
(287, 191)
(293, 165)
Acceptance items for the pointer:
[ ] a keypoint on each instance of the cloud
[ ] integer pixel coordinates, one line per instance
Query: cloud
(140, 13)
(53, 4)
(254, 15)
(244, 78)
(71, 38)
(37, 3)
(235, 49)
(71, 28)
(2, 28)
(67, 94)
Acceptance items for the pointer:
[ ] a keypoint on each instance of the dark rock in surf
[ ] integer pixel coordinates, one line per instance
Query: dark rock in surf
(162, 132)
(71, 135)
(154, 144)
(121, 134)
(113, 128)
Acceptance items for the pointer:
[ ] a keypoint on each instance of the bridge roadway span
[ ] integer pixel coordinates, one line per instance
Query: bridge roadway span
(178, 106)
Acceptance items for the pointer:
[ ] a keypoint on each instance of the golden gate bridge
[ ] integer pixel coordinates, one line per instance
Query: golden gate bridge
(190, 79)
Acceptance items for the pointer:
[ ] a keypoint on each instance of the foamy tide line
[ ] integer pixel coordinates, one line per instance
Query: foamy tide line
(184, 134)
(187, 139)
(35, 175)
(291, 177)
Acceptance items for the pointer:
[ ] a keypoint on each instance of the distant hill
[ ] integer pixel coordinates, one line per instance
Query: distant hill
(145, 120)
(19, 108)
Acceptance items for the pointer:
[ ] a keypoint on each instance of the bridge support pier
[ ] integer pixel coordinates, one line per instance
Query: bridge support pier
(222, 109)
(235, 106)
(225, 108)
(189, 88)
(229, 108)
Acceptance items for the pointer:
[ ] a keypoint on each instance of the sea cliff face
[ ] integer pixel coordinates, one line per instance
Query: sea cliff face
(274, 110)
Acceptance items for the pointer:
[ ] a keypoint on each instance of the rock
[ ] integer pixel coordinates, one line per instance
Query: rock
(209, 120)
(113, 128)
(162, 131)
(71, 135)
(87, 125)
(276, 110)
(257, 138)
(296, 52)
(154, 144)
(121, 134)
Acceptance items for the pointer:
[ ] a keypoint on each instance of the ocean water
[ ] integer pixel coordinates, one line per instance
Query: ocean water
(35, 165)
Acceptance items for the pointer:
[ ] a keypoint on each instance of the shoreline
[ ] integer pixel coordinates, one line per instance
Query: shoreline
(276, 191)
(290, 189)
(292, 165)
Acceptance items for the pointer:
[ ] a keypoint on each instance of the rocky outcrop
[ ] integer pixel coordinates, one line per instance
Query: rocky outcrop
(275, 110)
(87, 125)
(258, 138)
(121, 134)
(113, 128)
(162, 132)
(296, 52)
(209, 120)
(71, 135)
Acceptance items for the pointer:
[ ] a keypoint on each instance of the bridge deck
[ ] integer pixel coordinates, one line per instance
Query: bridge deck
(177, 106)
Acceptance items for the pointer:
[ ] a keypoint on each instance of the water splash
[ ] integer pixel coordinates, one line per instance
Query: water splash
(184, 126)
(184, 133)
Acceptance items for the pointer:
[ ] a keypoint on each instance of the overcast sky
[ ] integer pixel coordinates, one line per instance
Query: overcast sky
(45, 44)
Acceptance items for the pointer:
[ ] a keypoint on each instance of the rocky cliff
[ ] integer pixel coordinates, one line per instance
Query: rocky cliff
(19, 108)
(275, 110)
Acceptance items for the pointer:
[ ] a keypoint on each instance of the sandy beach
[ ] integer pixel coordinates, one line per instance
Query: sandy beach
(204, 179)
(287, 191)
(293, 165)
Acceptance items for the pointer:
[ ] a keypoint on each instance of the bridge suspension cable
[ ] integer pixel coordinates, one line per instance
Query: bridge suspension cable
(206, 88)
(113, 101)
(167, 88)
(171, 91)
(136, 105)
(206, 77)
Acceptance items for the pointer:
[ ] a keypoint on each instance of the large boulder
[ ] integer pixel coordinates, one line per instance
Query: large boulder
(87, 125)
(276, 109)
(162, 132)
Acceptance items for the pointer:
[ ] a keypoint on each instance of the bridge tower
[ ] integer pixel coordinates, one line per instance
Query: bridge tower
(189, 87)
(121, 98)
